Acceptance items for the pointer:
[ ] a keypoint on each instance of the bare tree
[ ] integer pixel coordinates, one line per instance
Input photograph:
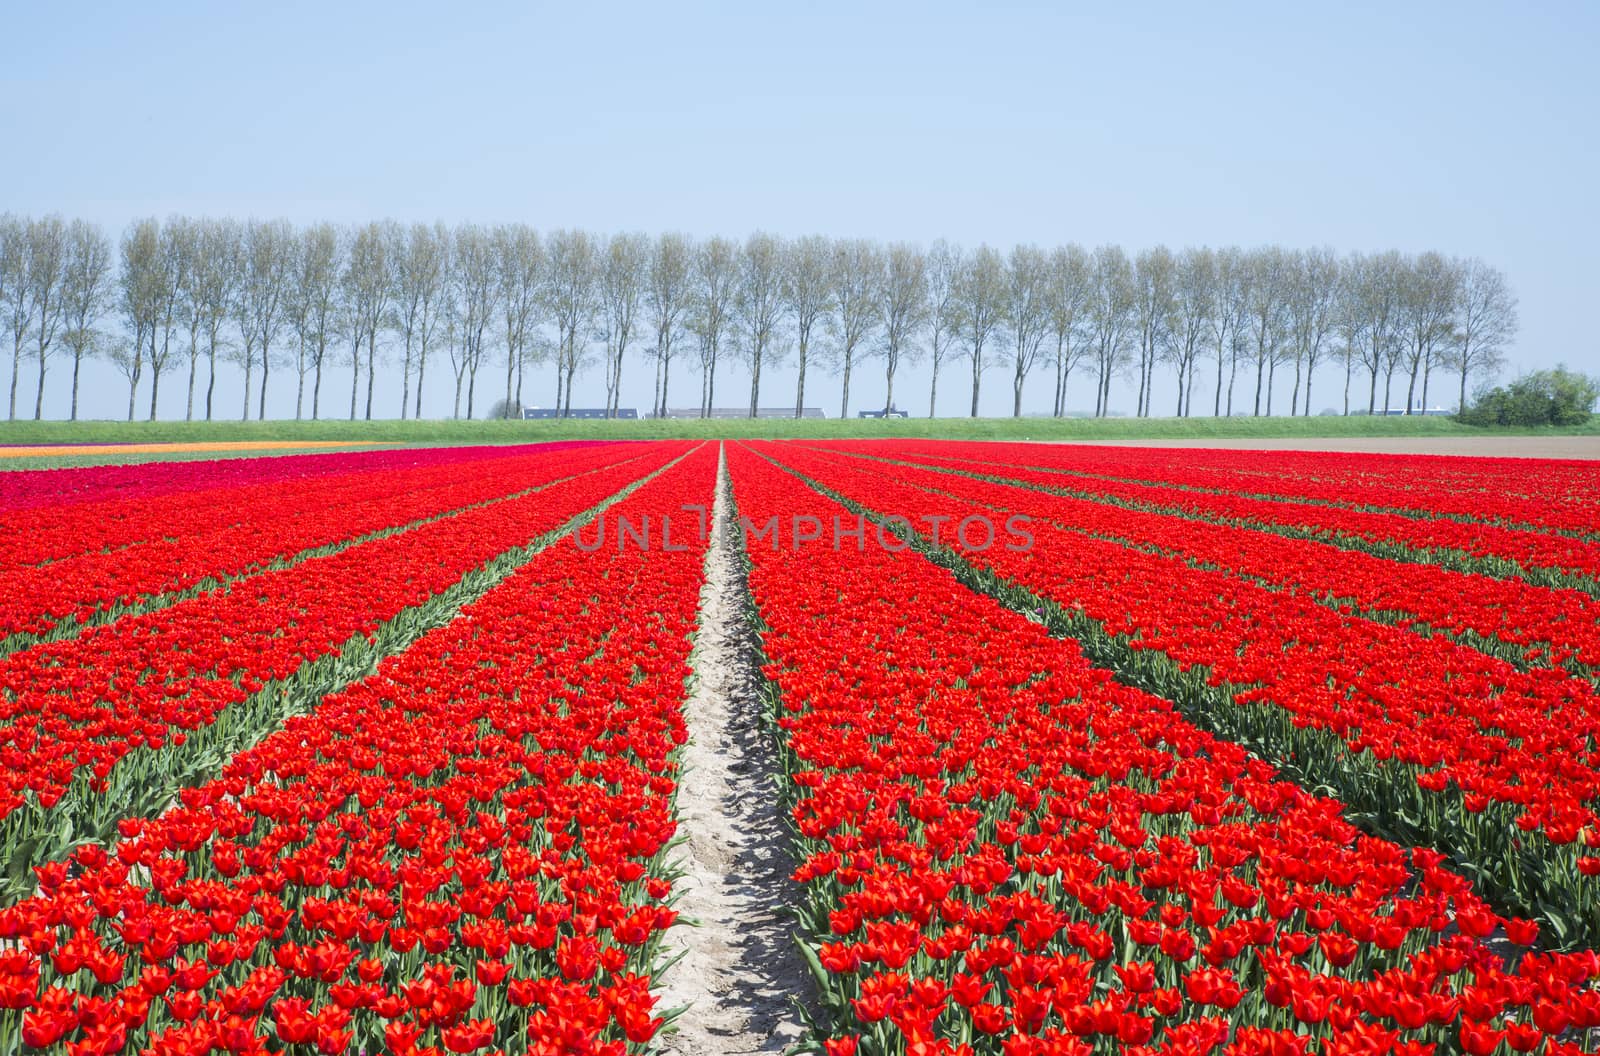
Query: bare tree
(520, 257)
(436, 307)
(903, 311)
(1311, 308)
(624, 273)
(945, 263)
(808, 295)
(477, 296)
(368, 285)
(1267, 292)
(715, 278)
(418, 271)
(758, 303)
(85, 294)
(1227, 316)
(1111, 316)
(47, 262)
(266, 266)
(573, 301)
(313, 308)
(214, 289)
(1027, 314)
(981, 293)
(858, 277)
(191, 305)
(16, 286)
(666, 297)
(1067, 299)
(1485, 322)
(1374, 297)
(139, 299)
(1350, 322)
(317, 290)
(1194, 298)
(1154, 279)
(1429, 292)
(13, 272)
(177, 257)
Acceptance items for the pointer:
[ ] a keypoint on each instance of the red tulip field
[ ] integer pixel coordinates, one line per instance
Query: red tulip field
(918, 747)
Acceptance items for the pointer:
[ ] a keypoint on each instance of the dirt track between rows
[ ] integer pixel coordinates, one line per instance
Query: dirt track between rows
(1579, 447)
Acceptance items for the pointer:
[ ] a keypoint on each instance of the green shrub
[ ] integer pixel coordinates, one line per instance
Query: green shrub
(1545, 397)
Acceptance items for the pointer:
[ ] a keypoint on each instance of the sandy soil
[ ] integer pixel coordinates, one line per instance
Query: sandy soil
(1585, 447)
(740, 974)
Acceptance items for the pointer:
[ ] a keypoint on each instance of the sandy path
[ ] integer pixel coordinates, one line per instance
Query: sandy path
(740, 973)
(1586, 447)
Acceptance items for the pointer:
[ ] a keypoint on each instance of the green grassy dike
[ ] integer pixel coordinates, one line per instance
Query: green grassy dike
(448, 431)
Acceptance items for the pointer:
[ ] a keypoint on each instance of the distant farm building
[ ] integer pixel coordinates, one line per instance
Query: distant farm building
(579, 412)
(743, 412)
(886, 412)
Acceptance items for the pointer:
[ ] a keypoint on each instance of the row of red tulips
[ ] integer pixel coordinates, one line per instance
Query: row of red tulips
(1453, 747)
(1509, 617)
(463, 852)
(106, 724)
(56, 488)
(189, 542)
(1561, 496)
(1539, 556)
(132, 501)
(1005, 851)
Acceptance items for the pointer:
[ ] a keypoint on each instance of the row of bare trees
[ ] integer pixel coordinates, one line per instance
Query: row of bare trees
(180, 294)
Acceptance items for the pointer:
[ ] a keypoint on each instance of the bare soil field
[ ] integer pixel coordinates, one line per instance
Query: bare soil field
(1581, 447)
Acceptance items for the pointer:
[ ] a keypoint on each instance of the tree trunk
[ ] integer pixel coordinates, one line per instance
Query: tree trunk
(77, 362)
(755, 384)
(372, 363)
(38, 399)
(194, 367)
(266, 364)
(1461, 401)
(422, 365)
(155, 389)
(844, 406)
(933, 394)
(1061, 381)
(800, 382)
(16, 369)
(888, 395)
(1411, 389)
(405, 382)
(977, 376)
(1233, 375)
(316, 388)
(248, 363)
(211, 373)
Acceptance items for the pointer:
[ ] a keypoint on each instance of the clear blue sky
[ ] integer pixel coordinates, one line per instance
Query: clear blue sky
(1462, 127)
